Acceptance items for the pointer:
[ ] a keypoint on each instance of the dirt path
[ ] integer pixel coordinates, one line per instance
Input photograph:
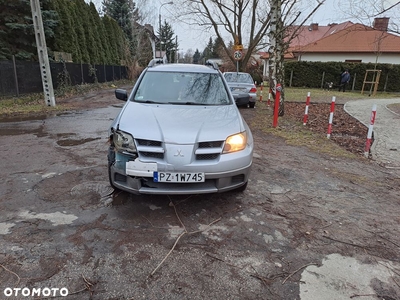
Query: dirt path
(311, 225)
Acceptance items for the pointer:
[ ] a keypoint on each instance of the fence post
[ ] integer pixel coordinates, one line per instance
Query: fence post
(386, 81)
(354, 82)
(82, 80)
(15, 76)
(291, 78)
(323, 78)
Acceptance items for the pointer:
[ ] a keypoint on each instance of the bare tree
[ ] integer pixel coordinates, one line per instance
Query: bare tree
(364, 11)
(280, 38)
(245, 22)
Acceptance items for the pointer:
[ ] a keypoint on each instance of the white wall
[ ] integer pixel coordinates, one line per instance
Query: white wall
(365, 58)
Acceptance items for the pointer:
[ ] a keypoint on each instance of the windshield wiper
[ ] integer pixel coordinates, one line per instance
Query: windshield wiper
(150, 101)
(187, 103)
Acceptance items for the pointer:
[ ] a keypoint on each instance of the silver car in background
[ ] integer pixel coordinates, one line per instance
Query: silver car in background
(179, 132)
(242, 88)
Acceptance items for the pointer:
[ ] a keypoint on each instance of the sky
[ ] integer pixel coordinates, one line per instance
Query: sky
(332, 11)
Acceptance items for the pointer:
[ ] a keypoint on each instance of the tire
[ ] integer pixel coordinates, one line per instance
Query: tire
(111, 161)
(252, 104)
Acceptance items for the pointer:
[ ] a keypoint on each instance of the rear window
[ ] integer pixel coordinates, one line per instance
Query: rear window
(235, 77)
(182, 87)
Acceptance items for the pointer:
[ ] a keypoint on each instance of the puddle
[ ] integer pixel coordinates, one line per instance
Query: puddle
(70, 142)
(39, 132)
(23, 118)
(65, 135)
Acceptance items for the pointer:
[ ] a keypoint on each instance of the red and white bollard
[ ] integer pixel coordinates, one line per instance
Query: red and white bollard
(269, 97)
(370, 129)
(306, 111)
(331, 117)
(276, 104)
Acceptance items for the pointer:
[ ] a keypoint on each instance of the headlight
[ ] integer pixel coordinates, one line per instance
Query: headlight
(235, 142)
(124, 142)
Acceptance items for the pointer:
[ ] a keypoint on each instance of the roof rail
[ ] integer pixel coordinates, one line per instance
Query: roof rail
(212, 64)
(155, 61)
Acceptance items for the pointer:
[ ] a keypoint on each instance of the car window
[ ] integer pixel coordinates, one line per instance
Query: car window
(182, 88)
(238, 77)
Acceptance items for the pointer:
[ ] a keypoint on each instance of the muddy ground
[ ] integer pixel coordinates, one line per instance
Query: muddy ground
(309, 226)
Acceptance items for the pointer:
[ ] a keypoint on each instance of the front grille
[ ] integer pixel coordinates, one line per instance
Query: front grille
(152, 154)
(150, 148)
(148, 143)
(214, 144)
(209, 150)
(209, 156)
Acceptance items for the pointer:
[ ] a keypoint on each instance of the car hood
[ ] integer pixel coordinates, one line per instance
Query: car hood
(180, 124)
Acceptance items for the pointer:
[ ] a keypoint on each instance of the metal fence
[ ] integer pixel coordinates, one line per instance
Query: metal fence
(23, 77)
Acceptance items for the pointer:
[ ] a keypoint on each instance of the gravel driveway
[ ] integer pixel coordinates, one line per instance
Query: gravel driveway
(309, 226)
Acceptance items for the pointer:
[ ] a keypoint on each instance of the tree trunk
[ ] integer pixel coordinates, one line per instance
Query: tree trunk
(276, 53)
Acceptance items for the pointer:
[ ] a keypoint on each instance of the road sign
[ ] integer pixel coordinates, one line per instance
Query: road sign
(237, 55)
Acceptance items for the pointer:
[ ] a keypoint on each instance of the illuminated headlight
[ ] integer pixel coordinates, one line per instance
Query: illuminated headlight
(124, 142)
(235, 142)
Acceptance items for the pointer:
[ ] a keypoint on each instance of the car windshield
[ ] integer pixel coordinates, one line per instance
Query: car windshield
(238, 77)
(182, 88)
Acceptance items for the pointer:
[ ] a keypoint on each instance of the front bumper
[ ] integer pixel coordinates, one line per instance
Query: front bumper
(222, 180)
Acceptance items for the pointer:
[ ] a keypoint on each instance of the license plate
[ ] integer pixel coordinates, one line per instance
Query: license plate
(178, 177)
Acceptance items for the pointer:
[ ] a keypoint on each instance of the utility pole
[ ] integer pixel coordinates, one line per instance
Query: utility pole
(42, 54)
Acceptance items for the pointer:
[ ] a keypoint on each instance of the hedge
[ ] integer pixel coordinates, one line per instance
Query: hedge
(315, 74)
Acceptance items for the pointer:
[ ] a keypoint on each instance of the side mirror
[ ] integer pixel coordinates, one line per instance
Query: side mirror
(121, 94)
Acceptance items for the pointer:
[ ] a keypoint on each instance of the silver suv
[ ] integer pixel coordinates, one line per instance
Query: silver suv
(179, 132)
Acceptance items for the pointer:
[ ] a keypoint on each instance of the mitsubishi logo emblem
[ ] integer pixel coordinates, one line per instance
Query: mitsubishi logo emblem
(179, 153)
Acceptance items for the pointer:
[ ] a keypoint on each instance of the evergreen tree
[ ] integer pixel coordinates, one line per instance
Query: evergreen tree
(111, 38)
(122, 12)
(168, 42)
(80, 32)
(65, 36)
(89, 31)
(101, 30)
(98, 34)
(16, 29)
(207, 52)
(197, 57)
(217, 47)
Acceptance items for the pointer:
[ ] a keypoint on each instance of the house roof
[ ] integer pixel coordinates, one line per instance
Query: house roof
(345, 37)
(356, 38)
(311, 33)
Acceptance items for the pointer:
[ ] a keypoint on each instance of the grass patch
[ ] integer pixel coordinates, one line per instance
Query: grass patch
(34, 103)
(320, 95)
